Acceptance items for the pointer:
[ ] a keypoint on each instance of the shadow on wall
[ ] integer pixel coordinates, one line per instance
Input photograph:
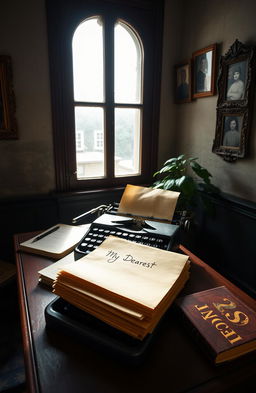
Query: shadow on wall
(241, 187)
(226, 240)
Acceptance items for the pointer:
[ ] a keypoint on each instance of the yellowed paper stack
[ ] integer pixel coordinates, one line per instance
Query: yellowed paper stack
(127, 285)
(48, 274)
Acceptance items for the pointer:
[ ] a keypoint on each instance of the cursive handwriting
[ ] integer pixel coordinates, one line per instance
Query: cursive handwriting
(113, 257)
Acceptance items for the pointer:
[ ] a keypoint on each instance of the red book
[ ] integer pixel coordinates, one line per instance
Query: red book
(224, 324)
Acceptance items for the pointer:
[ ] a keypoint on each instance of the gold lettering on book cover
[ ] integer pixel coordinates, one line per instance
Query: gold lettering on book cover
(208, 314)
(238, 317)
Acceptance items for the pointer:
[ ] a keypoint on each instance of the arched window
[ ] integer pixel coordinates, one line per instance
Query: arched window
(106, 122)
(90, 100)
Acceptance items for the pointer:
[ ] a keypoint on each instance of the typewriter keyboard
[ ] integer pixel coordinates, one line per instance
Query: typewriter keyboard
(97, 233)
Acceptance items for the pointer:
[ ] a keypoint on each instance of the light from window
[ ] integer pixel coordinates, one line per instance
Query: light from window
(127, 141)
(128, 65)
(91, 107)
(88, 73)
(90, 161)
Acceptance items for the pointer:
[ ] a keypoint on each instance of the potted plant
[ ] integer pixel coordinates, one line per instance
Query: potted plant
(188, 177)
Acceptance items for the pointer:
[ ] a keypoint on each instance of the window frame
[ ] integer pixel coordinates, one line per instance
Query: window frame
(63, 17)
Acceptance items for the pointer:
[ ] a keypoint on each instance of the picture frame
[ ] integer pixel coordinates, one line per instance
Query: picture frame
(204, 72)
(236, 80)
(183, 91)
(8, 124)
(235, 94)
(231, 134)
(237, 73)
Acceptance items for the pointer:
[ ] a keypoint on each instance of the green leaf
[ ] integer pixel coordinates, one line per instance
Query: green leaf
(158, 184)
(178, 182)
(170, 161)
(167, 168)
(201, 172)
(169, 184)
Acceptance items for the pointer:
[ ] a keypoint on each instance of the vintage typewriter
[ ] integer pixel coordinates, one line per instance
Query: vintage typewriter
(62, 316)
(141, 230)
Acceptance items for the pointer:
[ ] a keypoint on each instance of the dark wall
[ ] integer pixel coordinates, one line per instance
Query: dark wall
(226, 240)
(38, 213)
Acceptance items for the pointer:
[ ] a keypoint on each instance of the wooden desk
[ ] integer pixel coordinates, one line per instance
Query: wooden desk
(55, 363)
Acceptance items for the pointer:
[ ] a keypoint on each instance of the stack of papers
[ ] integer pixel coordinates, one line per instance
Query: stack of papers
(127, 285)
(48, 274)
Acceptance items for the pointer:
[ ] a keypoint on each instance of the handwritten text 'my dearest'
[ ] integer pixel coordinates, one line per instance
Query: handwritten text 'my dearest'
(113, 257)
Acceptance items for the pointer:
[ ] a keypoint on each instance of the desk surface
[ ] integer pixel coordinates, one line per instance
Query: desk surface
(174, 363)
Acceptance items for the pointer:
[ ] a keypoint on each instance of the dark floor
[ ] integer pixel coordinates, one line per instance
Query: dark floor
(12, 372)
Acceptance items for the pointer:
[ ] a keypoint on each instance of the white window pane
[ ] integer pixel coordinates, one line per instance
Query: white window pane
(87, 49)
(127, 141)
(128, 65)
(90, 156)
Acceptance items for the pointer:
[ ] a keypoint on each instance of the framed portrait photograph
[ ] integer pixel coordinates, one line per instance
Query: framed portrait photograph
(204, 68)
(237, 74)
(183, 82)
(231, 134)
(8, 125)
(236, 85)
(236, 80)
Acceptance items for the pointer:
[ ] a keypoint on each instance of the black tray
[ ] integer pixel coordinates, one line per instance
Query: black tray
(62, 316)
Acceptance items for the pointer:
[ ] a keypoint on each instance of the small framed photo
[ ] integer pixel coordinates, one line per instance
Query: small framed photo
(231, 134)
(231, 131)
(183, 82)
(8, 126)
(204, 65)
